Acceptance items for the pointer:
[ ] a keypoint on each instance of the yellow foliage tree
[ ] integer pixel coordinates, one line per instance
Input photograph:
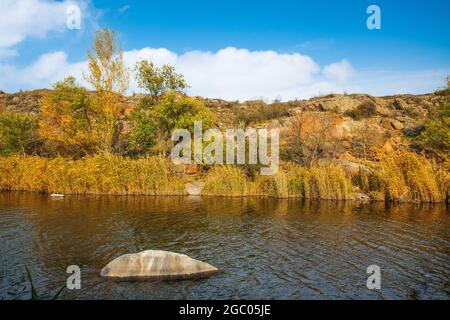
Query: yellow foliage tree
(67, 120)
(109, 77)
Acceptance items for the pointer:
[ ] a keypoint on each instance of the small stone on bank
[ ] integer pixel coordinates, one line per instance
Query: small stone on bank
(56, 195)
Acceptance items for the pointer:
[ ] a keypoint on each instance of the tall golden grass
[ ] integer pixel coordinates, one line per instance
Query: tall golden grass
(99, 174)
(228, 181)
(293, 181)
(410, 177)
(328, 182)
(403, 177)
(371, 181)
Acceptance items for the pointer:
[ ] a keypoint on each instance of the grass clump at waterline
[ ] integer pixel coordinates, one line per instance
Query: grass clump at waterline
(401, 177)
(293, 181)
(227, 181)
(409, 177)
(99, 174)
(328, 183)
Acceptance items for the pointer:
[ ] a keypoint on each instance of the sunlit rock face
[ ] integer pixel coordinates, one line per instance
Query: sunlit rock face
(157, 264)
(194, 188)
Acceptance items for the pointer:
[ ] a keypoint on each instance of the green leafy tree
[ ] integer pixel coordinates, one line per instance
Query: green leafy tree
(18, 133)
(180, 112)
(175, 112)
(157, 81)
(151, 128)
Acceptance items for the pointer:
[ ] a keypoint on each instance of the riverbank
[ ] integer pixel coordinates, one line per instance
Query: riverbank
(403, 177)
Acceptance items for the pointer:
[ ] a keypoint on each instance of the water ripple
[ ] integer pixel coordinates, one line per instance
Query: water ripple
(264, 248)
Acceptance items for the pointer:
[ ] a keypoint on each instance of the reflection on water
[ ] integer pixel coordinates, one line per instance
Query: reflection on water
(266, 249)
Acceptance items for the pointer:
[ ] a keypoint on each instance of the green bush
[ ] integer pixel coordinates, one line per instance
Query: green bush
(18, 133)
(142, 136)
(437, 131)
(366, 109)
(152, 127)
(257, 111)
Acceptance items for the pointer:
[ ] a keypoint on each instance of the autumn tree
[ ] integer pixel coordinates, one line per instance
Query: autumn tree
(109, 77)
(307, 136)
(18, 133)
(157, 81)
(68, 120)
(364, 139)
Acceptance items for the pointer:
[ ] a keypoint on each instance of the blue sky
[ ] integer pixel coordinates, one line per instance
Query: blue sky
(411, 52)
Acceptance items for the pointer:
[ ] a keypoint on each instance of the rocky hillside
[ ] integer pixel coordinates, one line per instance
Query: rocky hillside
(385, 121)
(406, 109)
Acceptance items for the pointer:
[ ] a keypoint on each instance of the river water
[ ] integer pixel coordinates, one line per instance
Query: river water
(265, 248)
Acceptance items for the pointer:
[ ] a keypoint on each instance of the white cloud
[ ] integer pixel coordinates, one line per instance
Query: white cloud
(45, 71)
(124, 8)
(239, 74)
(339, 71)
(21, 19)
(233, 73)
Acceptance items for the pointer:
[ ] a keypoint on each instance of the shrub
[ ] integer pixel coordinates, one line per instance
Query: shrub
(18, 133)
(143, 128)
(256, 111)
(307, 138)
(437, 132)
(366, 109)
(68, 120)
(179, 112)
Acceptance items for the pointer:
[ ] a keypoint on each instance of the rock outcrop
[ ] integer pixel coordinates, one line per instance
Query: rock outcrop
(334, 116)
(194, 188)
(24, 101)
(156, 264)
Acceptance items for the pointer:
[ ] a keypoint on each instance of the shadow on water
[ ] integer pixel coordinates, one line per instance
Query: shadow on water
(265, 248)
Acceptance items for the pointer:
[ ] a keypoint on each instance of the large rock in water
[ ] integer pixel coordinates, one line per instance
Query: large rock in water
(156, 263)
